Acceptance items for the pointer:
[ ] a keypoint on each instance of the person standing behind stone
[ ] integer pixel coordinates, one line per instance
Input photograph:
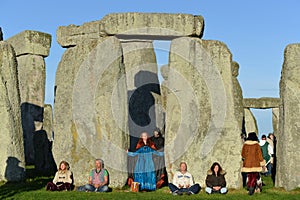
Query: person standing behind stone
(63, 179)
(215, 180)
(183, 182)
(267, 152)
(98, 179)
(252, 161)
(158, 139)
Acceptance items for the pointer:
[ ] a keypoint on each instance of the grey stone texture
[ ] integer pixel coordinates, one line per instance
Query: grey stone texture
(12, 160)
(202, 124)
(288, 151)
(31, 42)
(262, 103)
(48, 121)
(250, 122)
(275, 121)
(136, 25)
(31, 47)
(91, 109)
(142, 87)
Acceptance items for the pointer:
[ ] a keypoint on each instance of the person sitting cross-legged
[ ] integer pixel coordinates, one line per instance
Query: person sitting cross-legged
(215, 180)
(98, 179)
(183, 182)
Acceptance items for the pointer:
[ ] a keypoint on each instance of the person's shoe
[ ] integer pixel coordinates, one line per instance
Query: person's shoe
(175, 193)
(189, 193)
(251, 191)
(180, 193)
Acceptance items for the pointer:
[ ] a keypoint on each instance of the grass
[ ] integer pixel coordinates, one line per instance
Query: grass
(34, 188)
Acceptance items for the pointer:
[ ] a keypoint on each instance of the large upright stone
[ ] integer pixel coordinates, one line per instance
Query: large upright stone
(31, 47)
(12, 163)
(201, 125)
(275, 120)
(143, 88)
(288, 151)
(90, 118)
(133, 25)
(250, 122)
(48, 121)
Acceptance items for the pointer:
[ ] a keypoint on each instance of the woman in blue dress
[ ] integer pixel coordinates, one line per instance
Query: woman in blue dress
(143, 171)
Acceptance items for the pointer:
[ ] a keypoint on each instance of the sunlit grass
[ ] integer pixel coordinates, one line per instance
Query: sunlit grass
(34, 188)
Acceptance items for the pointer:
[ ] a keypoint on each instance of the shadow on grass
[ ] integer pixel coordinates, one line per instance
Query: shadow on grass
(34, 181)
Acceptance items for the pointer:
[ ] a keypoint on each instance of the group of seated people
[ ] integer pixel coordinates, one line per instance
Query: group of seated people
(146, 168)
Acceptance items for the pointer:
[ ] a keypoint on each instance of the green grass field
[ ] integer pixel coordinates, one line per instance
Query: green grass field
(34, 188)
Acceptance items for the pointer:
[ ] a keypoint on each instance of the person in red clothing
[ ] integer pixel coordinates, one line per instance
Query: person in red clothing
(252, 161)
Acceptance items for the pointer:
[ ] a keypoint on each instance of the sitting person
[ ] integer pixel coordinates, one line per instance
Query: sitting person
(183, 182)
(215, 180)
(98, 179)
(63, 179)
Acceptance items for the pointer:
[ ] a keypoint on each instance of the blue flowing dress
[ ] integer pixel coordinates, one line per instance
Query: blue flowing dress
(144, 170)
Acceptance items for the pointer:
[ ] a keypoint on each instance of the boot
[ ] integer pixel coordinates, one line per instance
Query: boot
(251, 191)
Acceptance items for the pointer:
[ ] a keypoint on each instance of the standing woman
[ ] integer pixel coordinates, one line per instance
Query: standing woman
(143, 170)
(63, 178)
(252, 161)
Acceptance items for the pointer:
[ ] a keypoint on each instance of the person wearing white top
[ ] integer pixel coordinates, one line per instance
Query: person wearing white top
(183, 182)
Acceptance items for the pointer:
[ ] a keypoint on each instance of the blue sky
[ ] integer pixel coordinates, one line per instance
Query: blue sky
(255, 31)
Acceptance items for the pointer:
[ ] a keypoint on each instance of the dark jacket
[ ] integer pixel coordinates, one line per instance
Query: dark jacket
(213, 180)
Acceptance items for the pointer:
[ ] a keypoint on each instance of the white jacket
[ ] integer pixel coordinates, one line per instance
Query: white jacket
(183, 179)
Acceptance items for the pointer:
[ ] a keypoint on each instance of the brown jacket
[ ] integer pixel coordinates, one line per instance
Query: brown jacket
(252, 156)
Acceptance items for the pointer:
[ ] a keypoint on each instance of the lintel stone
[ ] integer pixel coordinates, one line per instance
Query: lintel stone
(31, 42)
(133, 25)
(262, 103)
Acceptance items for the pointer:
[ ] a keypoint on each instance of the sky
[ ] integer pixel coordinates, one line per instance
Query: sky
(256, 32)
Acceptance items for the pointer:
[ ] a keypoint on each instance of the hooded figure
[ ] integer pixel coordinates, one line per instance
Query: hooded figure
(215, 180)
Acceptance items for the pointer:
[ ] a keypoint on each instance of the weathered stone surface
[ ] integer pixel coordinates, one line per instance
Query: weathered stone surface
(288, 151)
(12, 161)
(48, 121)
(90, 118)
(201, 122)
(262, 103)
(237, 92)
(275, 120)
(142, 87)
(32, 77)
(31, 42)
(136, 25)
(250, 122)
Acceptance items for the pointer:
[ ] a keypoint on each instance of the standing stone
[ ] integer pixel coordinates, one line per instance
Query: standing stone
(31, 47)
(143, 88)
(133, 25)
(201, 122)
(275, 120)
(90, 118)
(250, 122)
(48, 121)
(288, 151)
(12, 163)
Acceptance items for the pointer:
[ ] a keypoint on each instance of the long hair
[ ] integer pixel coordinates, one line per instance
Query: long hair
(213, 166)
(65, 163)
(149, 143)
